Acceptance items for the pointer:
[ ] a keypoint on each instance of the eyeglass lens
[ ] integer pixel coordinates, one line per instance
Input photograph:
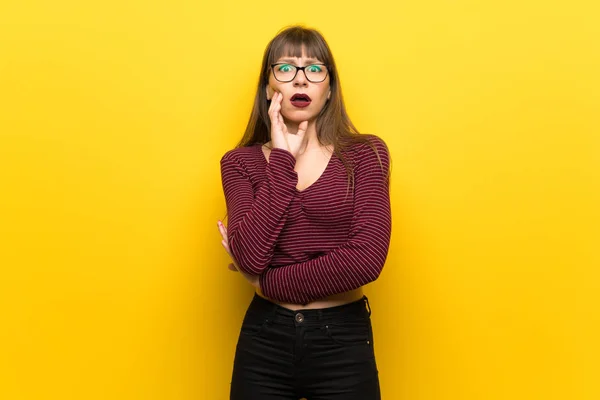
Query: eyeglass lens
(287, 72)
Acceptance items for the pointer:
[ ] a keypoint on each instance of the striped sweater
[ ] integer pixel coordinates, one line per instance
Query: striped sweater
(308, 244)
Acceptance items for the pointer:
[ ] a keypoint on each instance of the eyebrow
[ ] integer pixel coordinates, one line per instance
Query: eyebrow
(293, 60)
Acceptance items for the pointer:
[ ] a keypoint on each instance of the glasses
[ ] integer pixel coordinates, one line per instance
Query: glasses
(285, 72)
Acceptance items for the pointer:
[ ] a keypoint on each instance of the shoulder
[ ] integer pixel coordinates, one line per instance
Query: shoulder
(243, 161)
(372, 149)
(242, 155)
(378, 144)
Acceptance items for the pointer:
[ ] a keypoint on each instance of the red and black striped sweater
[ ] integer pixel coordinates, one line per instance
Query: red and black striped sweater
(308, 244)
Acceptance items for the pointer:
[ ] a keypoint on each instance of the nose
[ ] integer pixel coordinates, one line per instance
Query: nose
(300, 79)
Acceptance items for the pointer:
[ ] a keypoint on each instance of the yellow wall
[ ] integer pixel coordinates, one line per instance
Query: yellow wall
(113, 118)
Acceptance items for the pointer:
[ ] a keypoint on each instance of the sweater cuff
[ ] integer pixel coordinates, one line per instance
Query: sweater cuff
(281, 168)
(282, 157)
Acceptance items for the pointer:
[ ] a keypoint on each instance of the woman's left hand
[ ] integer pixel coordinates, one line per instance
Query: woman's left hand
(253, 279)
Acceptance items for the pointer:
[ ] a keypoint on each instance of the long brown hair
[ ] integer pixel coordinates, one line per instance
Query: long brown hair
(333, 125)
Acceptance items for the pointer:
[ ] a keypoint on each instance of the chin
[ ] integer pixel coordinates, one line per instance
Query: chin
(298, 116)
(297, 121)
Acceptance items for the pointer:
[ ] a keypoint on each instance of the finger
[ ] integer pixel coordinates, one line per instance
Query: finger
(277, 108)
(275, 120)
(273, 106)
(283, 125)
(277, 100)
(302, 128)
(227, 248)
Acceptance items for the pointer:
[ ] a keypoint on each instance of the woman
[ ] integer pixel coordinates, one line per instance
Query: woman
(309, 225)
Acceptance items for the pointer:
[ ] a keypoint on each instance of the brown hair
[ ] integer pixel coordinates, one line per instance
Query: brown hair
(333, 125)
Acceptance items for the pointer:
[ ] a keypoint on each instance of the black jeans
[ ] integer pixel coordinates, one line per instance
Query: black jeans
(318, 354)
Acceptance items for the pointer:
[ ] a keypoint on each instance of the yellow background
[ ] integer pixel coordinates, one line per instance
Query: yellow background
(113, 118)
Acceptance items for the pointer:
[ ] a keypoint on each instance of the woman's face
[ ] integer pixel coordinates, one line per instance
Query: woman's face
(302, 100)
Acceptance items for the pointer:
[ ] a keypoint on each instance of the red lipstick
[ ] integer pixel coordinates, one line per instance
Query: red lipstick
(300, 100)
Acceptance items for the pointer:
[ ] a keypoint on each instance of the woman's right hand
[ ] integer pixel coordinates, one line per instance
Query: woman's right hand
(280, 137)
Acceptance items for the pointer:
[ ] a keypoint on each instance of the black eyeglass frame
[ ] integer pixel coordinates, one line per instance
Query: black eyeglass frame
(300, 69)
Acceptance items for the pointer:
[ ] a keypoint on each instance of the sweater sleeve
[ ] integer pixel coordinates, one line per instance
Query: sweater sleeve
(359, 260)
(256, 219)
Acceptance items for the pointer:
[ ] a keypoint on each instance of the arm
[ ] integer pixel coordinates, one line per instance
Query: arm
(256, 219)
(356, 262)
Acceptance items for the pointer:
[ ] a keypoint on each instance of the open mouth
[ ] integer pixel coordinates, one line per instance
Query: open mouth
(300, 100)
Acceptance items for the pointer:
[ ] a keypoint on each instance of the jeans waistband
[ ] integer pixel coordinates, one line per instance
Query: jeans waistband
(356, 309)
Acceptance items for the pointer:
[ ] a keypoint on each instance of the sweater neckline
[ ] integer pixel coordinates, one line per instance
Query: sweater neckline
(309, 187)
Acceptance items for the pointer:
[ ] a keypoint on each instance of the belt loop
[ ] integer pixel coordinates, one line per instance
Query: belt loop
(367, 304)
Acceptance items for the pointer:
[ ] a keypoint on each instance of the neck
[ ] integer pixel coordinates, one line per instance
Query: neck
(312, 140)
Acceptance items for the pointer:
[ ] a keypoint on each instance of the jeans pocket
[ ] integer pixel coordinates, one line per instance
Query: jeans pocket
(253, 325)
(350, 333)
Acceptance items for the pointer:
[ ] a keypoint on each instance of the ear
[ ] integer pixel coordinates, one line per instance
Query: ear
(329, 95)
(270, 92)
